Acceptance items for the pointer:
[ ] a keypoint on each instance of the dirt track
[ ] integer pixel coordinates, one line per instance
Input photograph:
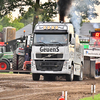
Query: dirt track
(22, 87)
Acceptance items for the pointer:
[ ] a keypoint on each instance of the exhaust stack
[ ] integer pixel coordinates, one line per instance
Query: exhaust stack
(61, 18)
(63, 7)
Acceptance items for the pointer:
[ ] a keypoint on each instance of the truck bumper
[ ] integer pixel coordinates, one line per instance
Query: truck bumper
(51, 72)
(50, 67)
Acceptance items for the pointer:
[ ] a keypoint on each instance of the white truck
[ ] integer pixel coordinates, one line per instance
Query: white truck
(56, 51)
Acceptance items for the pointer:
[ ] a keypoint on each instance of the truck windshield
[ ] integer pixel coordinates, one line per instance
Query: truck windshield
(2, 49)
(95, 41)
(58, 39)
(21, 45)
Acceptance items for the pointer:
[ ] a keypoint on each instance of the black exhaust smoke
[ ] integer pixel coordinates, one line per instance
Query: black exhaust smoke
(63, 7)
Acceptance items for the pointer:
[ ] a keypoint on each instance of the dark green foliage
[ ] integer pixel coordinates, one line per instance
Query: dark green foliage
(9, 5)
(48, 10)
(7, 21)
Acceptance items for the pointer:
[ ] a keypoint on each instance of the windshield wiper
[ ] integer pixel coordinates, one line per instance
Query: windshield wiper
(40, 43)
(57, 43)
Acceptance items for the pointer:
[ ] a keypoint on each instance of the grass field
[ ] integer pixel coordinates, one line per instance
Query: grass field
(6, 72)
(96, 97)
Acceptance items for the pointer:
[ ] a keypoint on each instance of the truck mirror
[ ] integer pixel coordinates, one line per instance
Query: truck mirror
(73, 41)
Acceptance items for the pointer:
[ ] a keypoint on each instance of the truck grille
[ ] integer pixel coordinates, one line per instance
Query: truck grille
(49, 65)
(49, 55)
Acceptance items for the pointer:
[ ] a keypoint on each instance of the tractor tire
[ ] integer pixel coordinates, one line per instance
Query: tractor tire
(4, 65)
(20, 62)
(14, 61)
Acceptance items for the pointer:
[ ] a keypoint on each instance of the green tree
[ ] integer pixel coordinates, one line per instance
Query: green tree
(5, 21)
(9, 5)
(8, 21)
(1, 27)
(48, 11)
(81, 9)
(18, 25)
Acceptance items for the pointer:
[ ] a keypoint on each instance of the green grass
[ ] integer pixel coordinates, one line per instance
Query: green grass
(96, 97)
(6, 72)
(9, 73)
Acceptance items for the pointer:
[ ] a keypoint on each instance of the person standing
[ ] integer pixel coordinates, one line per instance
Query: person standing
(26, 56)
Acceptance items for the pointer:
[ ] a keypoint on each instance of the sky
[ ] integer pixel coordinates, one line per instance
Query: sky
(97, 20)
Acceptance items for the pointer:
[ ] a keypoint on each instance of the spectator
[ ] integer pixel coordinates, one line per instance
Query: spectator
(26, 56)
(97, 43)
(41, 39)
(97, 72)
(65, 39)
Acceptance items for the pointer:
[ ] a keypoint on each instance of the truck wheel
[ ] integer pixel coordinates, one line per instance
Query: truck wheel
(20, 62)
(71, 76)
(80, 78)
(14, 61)
(4, 65)
(35, 77)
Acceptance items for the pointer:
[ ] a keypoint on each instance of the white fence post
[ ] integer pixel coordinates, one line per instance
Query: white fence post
(65, 95)
(93, 90)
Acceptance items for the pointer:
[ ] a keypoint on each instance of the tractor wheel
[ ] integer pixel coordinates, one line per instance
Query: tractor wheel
(20, 62)
(4, 65)
(14, 61)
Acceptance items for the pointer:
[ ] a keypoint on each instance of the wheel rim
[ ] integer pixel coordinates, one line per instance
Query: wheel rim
(3, 66)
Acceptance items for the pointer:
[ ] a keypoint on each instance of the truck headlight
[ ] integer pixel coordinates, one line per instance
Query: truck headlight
(33, 63)
(65, 65)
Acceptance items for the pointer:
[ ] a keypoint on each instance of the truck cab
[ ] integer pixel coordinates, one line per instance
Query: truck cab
(55, 50)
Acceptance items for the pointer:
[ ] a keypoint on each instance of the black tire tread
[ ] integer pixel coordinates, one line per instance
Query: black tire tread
(20, 62)
(14, 61)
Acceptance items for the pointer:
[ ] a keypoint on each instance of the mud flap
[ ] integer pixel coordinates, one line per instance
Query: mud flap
(93, 70)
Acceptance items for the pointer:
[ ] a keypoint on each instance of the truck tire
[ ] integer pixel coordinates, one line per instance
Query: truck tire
(71, 76)
(4, 65)
(14, 61)
(20, 62)
(35, 77)
(80, 78)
